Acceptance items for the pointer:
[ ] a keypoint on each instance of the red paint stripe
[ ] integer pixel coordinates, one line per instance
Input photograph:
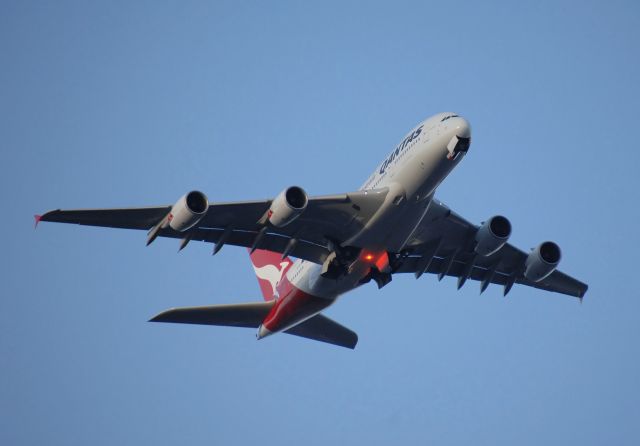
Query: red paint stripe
(294, 307)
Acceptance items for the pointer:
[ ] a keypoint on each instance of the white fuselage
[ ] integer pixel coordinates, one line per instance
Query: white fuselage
(412, 172)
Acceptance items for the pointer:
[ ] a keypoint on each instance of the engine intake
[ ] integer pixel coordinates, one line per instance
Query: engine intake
(287, 206)
(188, 211)
(542, 261)
(492, 235)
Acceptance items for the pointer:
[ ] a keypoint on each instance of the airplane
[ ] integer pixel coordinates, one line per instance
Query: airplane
(392, 225)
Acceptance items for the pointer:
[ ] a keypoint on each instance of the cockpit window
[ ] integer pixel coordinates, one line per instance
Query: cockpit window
(448, 117)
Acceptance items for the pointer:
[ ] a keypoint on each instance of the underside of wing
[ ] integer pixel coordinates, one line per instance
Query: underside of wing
(444, 244)
(125, 218)
(326, 219)
(503, 274)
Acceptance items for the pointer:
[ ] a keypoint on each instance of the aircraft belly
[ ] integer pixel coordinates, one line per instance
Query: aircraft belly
(393, 226)
(405, 224)
(312, 282)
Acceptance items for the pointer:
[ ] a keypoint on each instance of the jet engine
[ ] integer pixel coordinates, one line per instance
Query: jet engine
(492, 235)
(287, 206)
(188, 211)
(542, 261)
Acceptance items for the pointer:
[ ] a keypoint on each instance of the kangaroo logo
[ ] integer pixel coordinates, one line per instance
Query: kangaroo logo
(271, 274)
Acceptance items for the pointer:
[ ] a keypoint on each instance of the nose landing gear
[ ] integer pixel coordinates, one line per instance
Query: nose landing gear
(456, 146)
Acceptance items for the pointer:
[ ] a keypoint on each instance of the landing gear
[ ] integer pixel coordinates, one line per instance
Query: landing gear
(381, 272)
(337, 263)
(457, 145)
(381, 279)
(333, 268)
(381, 265)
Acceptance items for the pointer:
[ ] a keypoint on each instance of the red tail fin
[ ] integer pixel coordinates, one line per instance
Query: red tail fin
(270, 268)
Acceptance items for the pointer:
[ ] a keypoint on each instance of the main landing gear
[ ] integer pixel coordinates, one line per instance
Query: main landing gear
(381, 265)
(337, 263)
(381, 279)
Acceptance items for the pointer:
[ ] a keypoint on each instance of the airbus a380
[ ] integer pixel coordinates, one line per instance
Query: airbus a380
(391, 225)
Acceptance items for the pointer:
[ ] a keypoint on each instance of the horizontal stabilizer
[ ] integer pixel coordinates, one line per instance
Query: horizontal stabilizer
(248, 315)
(321, 328)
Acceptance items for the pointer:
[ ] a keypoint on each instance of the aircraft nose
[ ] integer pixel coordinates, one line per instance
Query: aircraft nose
(462, 128)
(460, 137)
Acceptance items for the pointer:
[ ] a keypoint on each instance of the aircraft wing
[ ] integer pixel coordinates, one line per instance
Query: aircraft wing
(443, 245)
(331, 217)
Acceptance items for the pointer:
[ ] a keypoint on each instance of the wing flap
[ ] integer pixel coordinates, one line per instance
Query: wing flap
(557, 281)
(270, 241)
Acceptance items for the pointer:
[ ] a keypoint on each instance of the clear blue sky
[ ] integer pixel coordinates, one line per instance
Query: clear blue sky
(134, 103)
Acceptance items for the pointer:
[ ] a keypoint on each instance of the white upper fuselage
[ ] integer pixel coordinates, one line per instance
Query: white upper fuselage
(411, 172)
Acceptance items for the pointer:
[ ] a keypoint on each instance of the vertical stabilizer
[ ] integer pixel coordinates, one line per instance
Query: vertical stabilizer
(270, 268)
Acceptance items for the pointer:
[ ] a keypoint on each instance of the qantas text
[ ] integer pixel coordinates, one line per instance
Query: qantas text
(399, 149)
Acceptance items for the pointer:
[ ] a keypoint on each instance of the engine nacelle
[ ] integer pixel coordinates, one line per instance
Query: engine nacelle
(188, 211)
(287, 206)
(542, 261)
(492, 235)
